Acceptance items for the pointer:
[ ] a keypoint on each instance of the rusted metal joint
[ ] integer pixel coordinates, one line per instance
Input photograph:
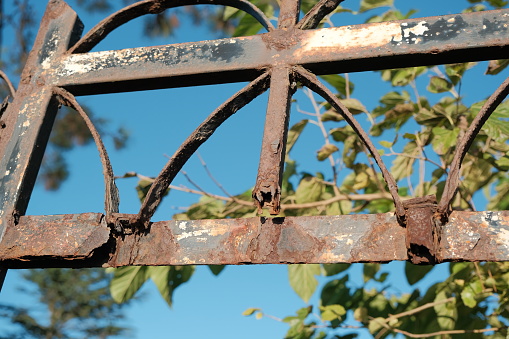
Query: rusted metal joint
(123, 224)
(422, 230)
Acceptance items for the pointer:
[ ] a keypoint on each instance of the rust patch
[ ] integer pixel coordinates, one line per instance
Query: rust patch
(421, 232)
(281, 39)
(385, 241)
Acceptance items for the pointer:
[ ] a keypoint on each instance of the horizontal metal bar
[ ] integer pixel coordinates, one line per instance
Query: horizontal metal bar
(413, 42)
(84, 240)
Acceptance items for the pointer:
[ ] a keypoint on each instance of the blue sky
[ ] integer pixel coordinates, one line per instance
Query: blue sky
(159, 121)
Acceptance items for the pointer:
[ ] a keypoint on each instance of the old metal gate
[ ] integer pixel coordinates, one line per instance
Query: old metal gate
(61, 67)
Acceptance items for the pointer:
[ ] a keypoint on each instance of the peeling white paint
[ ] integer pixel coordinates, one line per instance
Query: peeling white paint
(418, 30)
(192, 234)
(46, 63)
(183, 225)
(348, 37)
(71, 67)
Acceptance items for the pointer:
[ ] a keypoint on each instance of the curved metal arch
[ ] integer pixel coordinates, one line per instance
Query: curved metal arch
(452, 182)
(319, 11)
(312, 82)
(191, 144)
(106, 26)
(111, 195)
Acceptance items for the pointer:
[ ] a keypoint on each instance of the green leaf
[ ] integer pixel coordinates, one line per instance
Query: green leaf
(168, 278)
(471, 291)
(310, 189)
(361, 314)
(331, 115)
(403, 164)
(354, 106)
(127, 281)
(206, 208)
(250, 311)
(362, 180)
(335, 292)
(414, 273)
(497, 66)
(503, 163)
(439, 85)
(332, 312)
(447, 313)
(326, 151)
(302, 279)
(248, 25)
(391, 99)
(367, 5)
(216, 269)
(376, 325)
(143, 187)
(350, 150)
(338, 82)
(386, 144)
(229, 12)
(444, 139)
(294, 134)
(369, 271)
(333, 269)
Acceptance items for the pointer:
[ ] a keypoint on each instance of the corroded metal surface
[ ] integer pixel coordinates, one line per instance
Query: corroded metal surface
(476, 236)
(89, 240)
(267, 191)
(420, 228)
(28, 119)
(412, 42)
(70, 236)
(43, 241)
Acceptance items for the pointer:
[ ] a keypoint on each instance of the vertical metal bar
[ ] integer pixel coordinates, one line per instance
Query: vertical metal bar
(267, 190)
(288, 14)
(29, 118)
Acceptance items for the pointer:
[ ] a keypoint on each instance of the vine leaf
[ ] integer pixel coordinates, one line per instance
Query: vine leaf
(127, 281)
(168, 278)
(302, 279)
(415, 273)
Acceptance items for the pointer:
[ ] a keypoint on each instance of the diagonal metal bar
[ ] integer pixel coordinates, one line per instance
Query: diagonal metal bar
(84, 240)
(317, 13)
(412, 42)
(451, 185)
(191, 144)
(312, 82)
(106, 26)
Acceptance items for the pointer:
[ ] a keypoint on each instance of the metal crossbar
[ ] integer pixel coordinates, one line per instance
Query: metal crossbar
(61, 67)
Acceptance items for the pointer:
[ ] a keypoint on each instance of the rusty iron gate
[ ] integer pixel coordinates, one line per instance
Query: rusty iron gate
(61, 67)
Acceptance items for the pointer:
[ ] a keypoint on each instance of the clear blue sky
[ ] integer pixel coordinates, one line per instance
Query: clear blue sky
(207, 306)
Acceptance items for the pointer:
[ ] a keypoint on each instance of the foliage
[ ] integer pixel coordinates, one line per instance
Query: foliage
(77, 302)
